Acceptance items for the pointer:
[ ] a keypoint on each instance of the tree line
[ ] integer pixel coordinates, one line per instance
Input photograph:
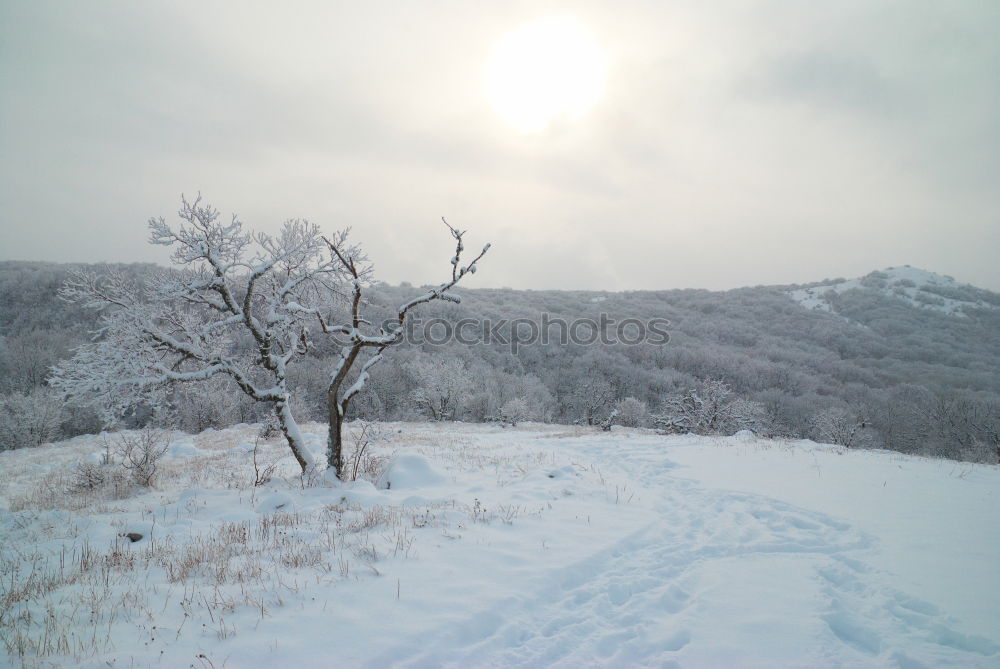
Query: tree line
(876, 372)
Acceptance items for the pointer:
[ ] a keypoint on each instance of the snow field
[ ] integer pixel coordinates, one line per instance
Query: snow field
(480, 546)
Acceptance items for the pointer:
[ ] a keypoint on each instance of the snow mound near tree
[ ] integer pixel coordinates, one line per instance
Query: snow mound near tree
(276, 501)
(241, 449)
(184, 448)
(409, 471)
(362, 493)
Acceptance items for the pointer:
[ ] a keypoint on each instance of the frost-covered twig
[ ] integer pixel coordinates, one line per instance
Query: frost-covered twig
(354, 264)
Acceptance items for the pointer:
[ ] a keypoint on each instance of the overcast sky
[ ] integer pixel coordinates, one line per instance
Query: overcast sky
(736, 143)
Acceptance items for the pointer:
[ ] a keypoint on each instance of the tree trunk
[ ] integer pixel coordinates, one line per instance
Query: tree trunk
(290, 429)
(335, 440)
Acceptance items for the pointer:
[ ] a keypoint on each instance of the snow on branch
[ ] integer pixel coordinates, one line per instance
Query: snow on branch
(355, 266)
(192, 323)
(238, 305)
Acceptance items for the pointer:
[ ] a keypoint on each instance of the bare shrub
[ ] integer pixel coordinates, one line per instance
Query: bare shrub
(140, 453)
(262, 474)
(362, 460)
(88, 476)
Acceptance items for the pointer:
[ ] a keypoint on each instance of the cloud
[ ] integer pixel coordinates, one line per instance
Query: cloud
(737, 144)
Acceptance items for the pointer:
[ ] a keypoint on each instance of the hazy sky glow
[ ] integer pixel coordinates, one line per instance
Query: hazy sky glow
(735, 143)
(547, 70)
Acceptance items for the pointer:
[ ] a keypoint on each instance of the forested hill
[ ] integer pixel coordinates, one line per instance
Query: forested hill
(910, 358)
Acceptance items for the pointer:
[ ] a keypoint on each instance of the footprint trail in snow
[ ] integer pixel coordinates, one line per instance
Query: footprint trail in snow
(751, 569)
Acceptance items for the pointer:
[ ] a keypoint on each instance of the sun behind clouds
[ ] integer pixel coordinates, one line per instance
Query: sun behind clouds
(547, 70)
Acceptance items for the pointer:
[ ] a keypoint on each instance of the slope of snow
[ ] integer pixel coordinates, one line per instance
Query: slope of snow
(535, 546)
(906, 283)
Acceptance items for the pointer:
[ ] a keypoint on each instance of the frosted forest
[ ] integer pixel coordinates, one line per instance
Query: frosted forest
(579, 477)
(495, 335)
(901, 359)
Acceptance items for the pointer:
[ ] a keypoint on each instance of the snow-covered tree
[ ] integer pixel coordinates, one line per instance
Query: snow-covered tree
(837, 425)
(514, 411)
(710, 408)
(362, 336)
(700, 409)
(591, 397)
(495, 389)
(239, 305)
(29, 419)
(743, 414)
(442, 384)
(25, 360)
(631, 412)
(964, 427)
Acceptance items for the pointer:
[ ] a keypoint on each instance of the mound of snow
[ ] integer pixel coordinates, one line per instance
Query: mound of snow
(241, 449)
(362, 493)
(563, 472)
(409, 471)
(184, 447)
(95, 458)
(276, 501)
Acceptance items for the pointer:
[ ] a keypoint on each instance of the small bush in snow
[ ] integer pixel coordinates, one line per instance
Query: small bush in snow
(514, 411)
(632, 412)
(362, 461)
(262, 473)
(88, 476)
(837, 425)
(140, 453)
(104, 480)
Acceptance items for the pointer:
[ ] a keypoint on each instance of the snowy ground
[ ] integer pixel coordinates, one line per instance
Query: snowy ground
(535, 546)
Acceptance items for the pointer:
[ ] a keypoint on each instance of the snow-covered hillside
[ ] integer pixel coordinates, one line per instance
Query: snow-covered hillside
(918, 288)
(530, 546)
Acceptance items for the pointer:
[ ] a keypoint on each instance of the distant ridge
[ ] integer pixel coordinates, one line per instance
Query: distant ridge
(917, 287)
